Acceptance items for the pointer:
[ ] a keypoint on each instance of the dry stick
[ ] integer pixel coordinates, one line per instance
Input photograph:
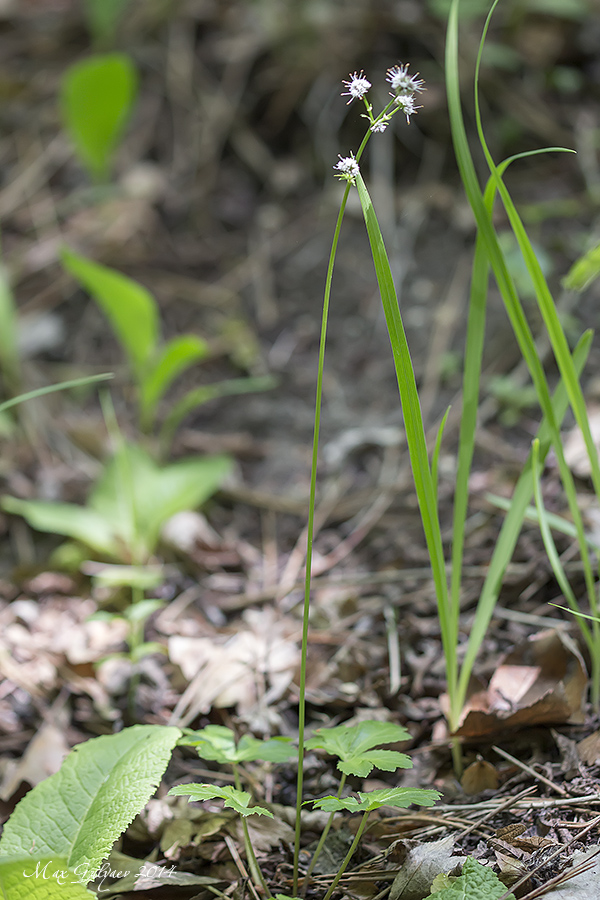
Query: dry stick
(508, 804)
(530, 771)
(564, 876)
(549, 859)
(240, 865)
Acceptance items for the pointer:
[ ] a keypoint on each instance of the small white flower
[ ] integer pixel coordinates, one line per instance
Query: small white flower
(406, 102)
(402, 82)
(380, 126)
(357, 86)
(347, 168)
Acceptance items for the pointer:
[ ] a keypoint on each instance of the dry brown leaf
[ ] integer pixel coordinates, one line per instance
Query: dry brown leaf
(589, 749)
(423, 862)
(253, 666)
(541, 682)
(43, 757)
(479, 776)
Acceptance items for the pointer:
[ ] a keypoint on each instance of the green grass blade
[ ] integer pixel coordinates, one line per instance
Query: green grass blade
(51, 388)
(435, 456)
(415, 432)
(511, 528)
(550, 546)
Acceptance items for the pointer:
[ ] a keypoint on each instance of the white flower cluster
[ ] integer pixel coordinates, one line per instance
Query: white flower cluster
(347, 168)
(404, 87)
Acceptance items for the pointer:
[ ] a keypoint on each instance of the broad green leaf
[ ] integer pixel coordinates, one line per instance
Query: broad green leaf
(103, 17)
(477, 882)
(217, 743)
(78, 522)
(79, 812)
(234, 799)
(174, 358)
(129, 307)
(138, 496)
(584, 271)
(353, 743)
(42, 879)
(96, 98)
(143, 577)
(399, 797)
(129, 505)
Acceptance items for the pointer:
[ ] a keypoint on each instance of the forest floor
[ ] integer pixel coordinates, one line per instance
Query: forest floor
(223, 206)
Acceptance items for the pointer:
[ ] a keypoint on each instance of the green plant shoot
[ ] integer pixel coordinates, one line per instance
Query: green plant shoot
(96, 99)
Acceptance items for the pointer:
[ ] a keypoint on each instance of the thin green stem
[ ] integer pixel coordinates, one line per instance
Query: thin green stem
(349, 855)
(135, 639)
(257, 875)
(323, 837)
(311, 519)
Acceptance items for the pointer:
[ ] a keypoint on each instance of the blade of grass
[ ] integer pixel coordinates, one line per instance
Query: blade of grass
(505, 283)
(415, 432)
(550, 546)
(511, 528)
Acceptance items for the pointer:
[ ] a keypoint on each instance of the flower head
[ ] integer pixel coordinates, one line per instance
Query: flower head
(347, 168)
(406, 102)
(380, 125)
(357, 86)
(402, 83)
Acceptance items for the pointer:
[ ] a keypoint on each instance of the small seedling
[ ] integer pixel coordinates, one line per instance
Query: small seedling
(96, 99)
(217, 743)
(154, 365)
(130, 503)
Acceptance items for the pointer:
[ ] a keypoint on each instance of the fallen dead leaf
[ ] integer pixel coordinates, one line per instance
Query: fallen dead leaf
(253, 666)
(423, 862)
(589, 749)
(43, 757)
(479, 776)
(541, 682)
(584, 886)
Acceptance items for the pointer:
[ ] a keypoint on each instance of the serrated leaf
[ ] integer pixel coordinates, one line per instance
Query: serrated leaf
(234, 799)
(45, 879)
(131, 309)
(399, 797)
(79, 812)
(477, 882)
(353, 743)
(96, 98)
(217, 743)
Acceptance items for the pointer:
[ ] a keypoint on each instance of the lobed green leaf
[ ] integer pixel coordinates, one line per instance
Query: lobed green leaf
(353, 743)
(399, 797)
(232, 797)
(217, 743)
